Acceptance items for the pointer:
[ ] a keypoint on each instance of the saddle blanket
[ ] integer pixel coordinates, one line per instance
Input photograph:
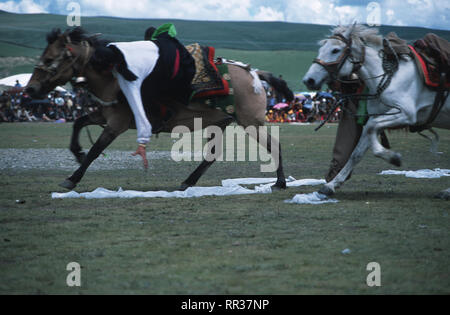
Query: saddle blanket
(428, 70)
(432, 55)
(207, 80)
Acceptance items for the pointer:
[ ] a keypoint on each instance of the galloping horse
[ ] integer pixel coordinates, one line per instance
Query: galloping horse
(405, 101)
(68, 56)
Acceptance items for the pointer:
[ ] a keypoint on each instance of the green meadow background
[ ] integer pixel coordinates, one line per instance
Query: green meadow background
(279, 47)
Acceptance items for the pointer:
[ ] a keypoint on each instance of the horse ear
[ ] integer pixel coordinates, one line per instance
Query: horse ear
(349, 31)
(66, 32)
(94, 36)
(66, 37)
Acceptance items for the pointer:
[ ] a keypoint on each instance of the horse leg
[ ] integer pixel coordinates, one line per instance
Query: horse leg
(445, 194)
(250, 114)
(195, 175)
(369, 139)
(86, 120)
(375, 126)
(108, 135)
(207, 162)
(262, 135)
(356, 156)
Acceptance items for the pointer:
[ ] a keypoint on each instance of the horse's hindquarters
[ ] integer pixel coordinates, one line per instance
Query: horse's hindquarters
(250, 107)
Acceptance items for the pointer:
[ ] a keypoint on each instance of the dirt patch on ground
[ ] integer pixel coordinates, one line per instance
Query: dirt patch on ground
(62, 159)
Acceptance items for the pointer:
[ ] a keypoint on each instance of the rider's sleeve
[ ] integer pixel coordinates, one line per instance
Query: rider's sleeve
(132, 91)
(139, 58)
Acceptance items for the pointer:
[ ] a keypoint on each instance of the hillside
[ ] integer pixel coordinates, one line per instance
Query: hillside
(254, 42)
(29, 30)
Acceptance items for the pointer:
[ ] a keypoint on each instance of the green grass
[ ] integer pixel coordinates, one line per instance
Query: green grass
(292, 64)
(253, 244)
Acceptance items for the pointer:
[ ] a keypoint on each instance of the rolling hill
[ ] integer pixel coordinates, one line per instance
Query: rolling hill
(282, 48)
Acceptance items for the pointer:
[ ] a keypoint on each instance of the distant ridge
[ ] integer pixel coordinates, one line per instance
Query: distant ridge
(28, 30)
(278, 47)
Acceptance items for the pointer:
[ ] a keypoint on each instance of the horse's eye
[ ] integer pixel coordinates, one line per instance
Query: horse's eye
(335, 51)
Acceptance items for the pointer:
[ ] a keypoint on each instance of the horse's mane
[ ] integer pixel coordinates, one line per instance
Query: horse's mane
(103, 57)
(361, 34)
(77, 35)
(53, 35)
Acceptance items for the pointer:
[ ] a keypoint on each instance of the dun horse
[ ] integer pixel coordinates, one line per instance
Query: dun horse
(68, 56)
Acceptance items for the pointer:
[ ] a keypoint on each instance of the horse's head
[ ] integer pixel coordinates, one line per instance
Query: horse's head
(65, 57)
(335, 59)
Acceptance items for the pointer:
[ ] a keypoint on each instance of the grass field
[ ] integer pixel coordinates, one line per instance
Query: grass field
(249, 244)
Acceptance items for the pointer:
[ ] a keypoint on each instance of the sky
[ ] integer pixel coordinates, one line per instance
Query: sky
(423, 13)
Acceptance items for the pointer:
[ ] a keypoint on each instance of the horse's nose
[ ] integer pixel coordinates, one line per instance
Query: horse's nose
(33, 89)
(310, 83)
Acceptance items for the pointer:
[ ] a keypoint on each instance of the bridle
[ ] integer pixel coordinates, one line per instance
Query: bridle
(334, 67)
(53, 73)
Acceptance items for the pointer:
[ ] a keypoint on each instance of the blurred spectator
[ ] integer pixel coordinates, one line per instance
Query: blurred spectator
(305, 109)
(59, 101)
(17, 106)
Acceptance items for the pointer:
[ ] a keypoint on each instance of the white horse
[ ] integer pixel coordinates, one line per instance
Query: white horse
(405, 101)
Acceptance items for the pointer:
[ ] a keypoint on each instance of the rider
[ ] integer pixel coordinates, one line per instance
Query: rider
(177, 66)
(348, 131)
(163, 63)
(350, 125)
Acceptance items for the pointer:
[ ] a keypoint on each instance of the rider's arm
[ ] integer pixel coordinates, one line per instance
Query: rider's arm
(132, 91)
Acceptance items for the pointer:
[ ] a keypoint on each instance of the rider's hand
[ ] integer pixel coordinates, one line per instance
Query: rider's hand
(141, 151)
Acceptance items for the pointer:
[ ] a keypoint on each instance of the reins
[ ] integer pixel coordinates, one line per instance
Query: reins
(389, 66)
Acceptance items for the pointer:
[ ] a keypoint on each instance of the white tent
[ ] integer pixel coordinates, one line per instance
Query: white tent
(11, 81)
(23, 79)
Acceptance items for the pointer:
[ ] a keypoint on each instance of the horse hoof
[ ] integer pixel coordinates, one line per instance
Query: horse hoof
(184, 186)
(278, 186)
(445, 194)
(396, 160)
(325, 190)
(68, 184)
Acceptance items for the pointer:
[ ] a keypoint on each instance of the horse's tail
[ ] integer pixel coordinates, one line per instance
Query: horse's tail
(279, 85)
(257, 84)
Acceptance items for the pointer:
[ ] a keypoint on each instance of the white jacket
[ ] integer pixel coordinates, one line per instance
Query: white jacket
(141, 58)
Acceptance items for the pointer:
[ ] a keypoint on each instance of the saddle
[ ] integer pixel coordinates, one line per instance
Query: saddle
(211, 85)
(208, 81)
(432, 56)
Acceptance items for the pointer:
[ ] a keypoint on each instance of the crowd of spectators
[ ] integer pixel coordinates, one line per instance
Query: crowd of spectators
(17, 106)
(310, 109)
(304, 108)
(60, 107)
